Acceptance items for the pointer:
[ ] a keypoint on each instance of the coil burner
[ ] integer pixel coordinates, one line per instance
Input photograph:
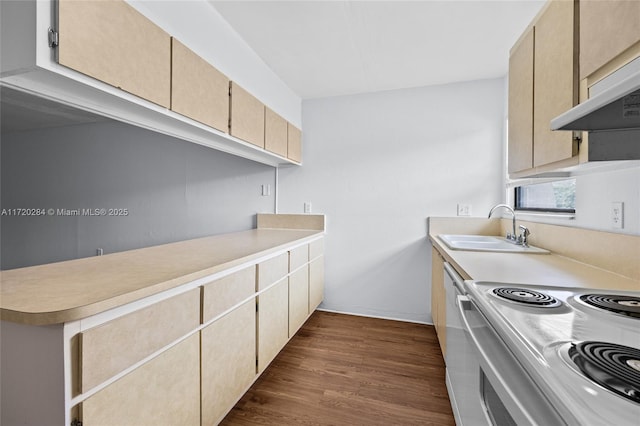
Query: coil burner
(614, 367)
(621, 305)
(528, 297)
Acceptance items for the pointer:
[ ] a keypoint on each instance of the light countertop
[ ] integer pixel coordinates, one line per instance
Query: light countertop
(536, 269)
(71, 290)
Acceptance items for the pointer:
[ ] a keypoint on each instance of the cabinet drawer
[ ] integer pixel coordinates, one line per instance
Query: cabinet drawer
(222, 294)
(272, 270)
(316, 249)
(298, 257)
(108, 349)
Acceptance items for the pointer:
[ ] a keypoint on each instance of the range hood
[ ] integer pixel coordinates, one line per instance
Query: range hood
(611, 116)
(617, 107)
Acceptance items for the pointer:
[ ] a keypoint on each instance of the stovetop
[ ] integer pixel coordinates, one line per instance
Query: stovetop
(584, 356)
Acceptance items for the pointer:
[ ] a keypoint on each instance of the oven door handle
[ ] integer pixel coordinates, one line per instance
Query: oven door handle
(464, 305)
(457, 280)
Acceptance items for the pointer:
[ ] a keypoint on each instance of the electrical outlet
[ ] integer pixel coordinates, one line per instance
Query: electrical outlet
(307, 207)
(617, 214)
(464, 209)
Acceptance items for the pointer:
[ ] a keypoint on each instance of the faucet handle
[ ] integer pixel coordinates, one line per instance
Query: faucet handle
(523, 238)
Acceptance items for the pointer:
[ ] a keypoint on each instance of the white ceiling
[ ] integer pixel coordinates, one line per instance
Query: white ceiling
(329, 48)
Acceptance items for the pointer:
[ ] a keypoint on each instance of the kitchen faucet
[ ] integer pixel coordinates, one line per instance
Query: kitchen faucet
(510, 236)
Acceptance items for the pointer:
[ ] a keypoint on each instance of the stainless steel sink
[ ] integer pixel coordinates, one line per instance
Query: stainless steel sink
(486, 243)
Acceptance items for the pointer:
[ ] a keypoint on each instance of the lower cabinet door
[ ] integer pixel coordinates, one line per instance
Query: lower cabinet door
(228, 361)
(438, 298)
(316, 283)
(164, 391)
(298, 299)
(273, 322)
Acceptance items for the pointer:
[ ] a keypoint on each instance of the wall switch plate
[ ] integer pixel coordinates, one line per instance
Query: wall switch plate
(617, 214)
(464, 209)
(307, 207)
(266, 190)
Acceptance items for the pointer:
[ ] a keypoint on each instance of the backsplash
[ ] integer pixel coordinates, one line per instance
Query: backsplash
(617, 253)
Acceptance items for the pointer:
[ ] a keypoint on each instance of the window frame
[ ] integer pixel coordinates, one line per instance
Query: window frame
(517, 203)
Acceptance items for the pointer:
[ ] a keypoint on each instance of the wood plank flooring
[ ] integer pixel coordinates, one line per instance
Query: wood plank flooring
(348, 370)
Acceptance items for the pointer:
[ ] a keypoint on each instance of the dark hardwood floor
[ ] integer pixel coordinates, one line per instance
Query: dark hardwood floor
(348, 370)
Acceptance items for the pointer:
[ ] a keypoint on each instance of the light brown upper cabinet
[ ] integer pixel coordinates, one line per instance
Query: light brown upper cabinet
(555, 82)
(275, 133)
(198, 90)
(114, 43)
(294, 144)
(553, 43)
(247, 116)
(521, 104)
(607, 29)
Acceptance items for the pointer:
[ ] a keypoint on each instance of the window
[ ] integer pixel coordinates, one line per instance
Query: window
(557, 196)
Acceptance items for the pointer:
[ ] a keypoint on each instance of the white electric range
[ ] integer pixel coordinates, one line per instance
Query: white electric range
(554, 355)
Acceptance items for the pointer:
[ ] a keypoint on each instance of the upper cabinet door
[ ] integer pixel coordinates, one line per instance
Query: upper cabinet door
(521, 104)
(543, 84)
(198, 90)
(294, 143)
(247, 116)
(275, 134)
(607, 28)
(555, 81)
(114, 43)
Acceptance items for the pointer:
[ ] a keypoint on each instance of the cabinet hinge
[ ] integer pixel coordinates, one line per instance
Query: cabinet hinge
(577, 138)
(53, 38)
(76, 422)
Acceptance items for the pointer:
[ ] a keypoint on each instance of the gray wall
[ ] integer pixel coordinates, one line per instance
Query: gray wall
(173, 190)
(378, 165)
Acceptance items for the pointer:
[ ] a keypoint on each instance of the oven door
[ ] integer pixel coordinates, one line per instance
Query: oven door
(508, 394)
(461, 360)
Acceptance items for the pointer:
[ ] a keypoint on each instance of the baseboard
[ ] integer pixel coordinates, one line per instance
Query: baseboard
(373, 316)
